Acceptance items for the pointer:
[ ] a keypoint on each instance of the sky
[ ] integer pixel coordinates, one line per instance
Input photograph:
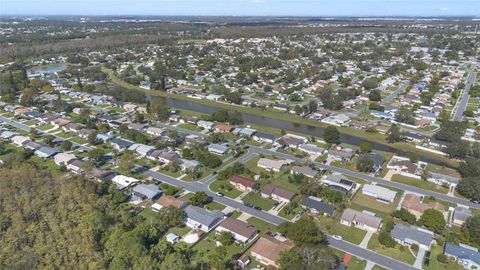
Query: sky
(323, 8)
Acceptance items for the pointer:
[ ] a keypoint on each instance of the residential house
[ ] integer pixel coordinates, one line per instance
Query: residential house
(186, 165)
(145, 192)
(460, 215)
(200, 218)
(172, 238)
(207, 125)
(345, 154)
(410, 235)
(120, 144)
(414, 205)
(169, 201)
(7, 135)
(382, 194)
(241, 231)
(339, 182)
(442, 179)
(311, 149)
(218, 149)
(141, 149)
(291, 141)
(271, 164)
(405, 167)
(169, 157)
(242, 183)
(19, 140)
(317, 206)
(123, 181)
(31, 145)
(223, 128)
(268, 248)
(337, 120)
(277, 193)
(466, 256)
(85, 133)
(378, 161)
(46, 152)
(101, 175)
(154, 131)
(264, 138)
(244, 132)
(360, 220)
(304, 170)
(76, 166)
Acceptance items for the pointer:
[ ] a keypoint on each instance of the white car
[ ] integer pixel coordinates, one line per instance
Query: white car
(337, 237)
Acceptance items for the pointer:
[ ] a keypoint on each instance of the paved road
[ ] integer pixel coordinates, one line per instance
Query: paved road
(462, 101)
(368, 255)
(276, 220)
(395, 93)
(382, 181)
(196, 186)
(27, 128)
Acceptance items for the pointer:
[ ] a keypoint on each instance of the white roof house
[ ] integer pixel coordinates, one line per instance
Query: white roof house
(271, 164)
(123, 181)
(380, 193)
(218, 149)
(63, 158)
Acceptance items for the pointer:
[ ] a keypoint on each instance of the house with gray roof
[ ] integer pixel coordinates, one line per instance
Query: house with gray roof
(200, 218)
(304, 170)
(264, 138)
(460, 215)
(311, 149)
(7, 134)
(378, 161)
(339, 180)
(46, 152)
(120, 144)
(361, 220)
(218, 149)
(145, 191)
(317, 206)
(441, 179)
(409, 235)
(466, 256)
(141, 149)
(382, 194)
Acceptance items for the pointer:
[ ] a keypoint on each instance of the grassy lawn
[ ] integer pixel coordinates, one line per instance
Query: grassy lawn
(64, 135)
(419, 183)
(436, 265)
(257, 200)
(398, 252)
(232, 193)
(172, 174)
(78, 140)
(235, 214)
(378, 267)
(214, 206)
(356, 264)
(191, 127)
(263, 226)
(45, 127)
(180, 231)
(350, 234)
(442, 170)
(205, 248)
(30, 123)
(372, 203)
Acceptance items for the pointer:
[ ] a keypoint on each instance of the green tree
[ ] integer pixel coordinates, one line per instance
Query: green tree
(96, 154)
(331, 135)
(385, 239)
(304, 231)
(365, 163)
(375, 95)
(199, 198)
(66, 145)
(433, 220)
(472, 226)
(225, 238)
(49, 139)
(366, 147)
(394, 134)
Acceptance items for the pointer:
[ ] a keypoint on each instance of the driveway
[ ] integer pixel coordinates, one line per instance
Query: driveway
(419, 260)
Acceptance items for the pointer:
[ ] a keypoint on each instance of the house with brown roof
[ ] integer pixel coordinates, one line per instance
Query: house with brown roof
(413, 204)
(405, 167)
(304, 170)
(271, 164)
(241, 231)
(361, 220)
(242, 183)
(268, 248)
(223, 128)
(277, 193)
(345, 154)
(167, 200)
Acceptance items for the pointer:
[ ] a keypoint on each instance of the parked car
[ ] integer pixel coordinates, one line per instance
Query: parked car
(219, 194)
(337, 237)
(248, 204)
(258, 208)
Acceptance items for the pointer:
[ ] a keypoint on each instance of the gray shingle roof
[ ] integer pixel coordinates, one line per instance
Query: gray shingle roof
(412, 234)
(318, 205)
(462, 252)
(201, 215)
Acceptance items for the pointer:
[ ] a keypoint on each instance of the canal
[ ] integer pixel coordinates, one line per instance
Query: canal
(289, 126)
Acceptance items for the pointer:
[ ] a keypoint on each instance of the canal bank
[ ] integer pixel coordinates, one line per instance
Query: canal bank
(289, 122)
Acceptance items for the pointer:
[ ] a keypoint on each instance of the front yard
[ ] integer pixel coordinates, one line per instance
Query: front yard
(256, 200)
(399, 252)
(419, 183)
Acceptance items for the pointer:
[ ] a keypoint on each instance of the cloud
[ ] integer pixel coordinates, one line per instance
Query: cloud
(444, 9)
(258, 1)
